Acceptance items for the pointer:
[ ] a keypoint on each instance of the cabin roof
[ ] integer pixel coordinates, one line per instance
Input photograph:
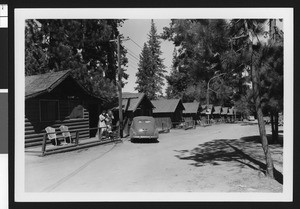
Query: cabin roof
(39, 84)
(224, 111)
(191, 107)
(206, 109)
(217, 110)
(166, 105)
(231, 111)
(36, 85)
(131, 101)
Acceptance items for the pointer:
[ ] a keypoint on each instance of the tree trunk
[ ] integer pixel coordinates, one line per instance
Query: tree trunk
(257, 100)
(272, 125)
(261, 124)
(275, 135)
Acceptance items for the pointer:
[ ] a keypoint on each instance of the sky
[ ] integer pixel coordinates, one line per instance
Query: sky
(137, 30)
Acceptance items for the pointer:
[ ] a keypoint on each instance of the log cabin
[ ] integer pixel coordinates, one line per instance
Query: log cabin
(206, 113)
(192, 111)
(133, 104)
(54, 99)
(168, 111)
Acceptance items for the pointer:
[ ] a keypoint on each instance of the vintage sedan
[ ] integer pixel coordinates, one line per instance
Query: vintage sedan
(143, 127)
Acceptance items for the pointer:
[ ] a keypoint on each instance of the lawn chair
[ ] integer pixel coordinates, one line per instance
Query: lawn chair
(52, 136)
(66, 134)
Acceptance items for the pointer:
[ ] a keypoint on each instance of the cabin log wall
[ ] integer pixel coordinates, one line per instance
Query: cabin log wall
(35, 129)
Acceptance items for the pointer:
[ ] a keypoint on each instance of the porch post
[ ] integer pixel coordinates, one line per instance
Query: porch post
(44, 144)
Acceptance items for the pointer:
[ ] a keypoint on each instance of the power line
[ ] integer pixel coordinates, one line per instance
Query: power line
(134, 57)
(135, 43)
(133, 65)
(133, 61)
(132, 53)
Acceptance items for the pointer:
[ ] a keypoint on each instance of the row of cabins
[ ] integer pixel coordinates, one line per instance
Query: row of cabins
(217, 113)
(166, 112)
(55, 99)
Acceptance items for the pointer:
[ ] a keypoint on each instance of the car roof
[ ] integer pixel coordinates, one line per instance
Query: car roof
(143, 117)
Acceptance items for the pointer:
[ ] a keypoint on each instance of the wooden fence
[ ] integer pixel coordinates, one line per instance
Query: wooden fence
(75, 135)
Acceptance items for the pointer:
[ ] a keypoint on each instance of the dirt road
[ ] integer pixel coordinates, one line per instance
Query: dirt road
(218, 158)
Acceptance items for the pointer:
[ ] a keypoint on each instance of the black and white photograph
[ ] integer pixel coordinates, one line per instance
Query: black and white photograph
(154, 104)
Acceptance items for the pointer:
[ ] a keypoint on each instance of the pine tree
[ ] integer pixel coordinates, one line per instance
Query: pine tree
(150, 76)
(243, 31)
(209, 47)
(178, 79)
(83, 46)
(145, 75)
(199, 44)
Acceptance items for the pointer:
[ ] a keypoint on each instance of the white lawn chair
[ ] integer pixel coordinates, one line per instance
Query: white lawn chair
(66, 134)
(52, 136)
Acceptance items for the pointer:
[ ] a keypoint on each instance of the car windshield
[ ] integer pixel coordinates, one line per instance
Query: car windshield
(144, 121)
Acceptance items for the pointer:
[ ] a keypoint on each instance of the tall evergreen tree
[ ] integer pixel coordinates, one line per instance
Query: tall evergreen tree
(145, 75)
(245, 33)
(207, 48)
(271, 79)
(83, 46)
(199, 44)
(155, 67)
(178, 80)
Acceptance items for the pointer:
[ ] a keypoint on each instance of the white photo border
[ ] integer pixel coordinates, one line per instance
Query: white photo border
(161, 13)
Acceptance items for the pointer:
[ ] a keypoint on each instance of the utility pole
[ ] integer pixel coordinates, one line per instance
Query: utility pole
(119, 84)
(207, 94)
(120, 89)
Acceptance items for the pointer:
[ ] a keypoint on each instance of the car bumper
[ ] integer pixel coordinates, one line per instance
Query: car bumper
(144, 137)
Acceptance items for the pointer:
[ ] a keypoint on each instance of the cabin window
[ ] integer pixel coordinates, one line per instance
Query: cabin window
(76, 110)
(49, 110)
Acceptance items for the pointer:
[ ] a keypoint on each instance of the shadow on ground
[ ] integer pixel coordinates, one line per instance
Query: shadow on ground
(257, 139)
(247, 151)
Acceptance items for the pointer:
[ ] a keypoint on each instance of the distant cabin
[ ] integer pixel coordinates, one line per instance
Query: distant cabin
(232, 114)
(56, 98)
(168, 111)
(206, 112)
(192, 111)
(133, 104)
(225, 111)
(217, 112)
(207, 109)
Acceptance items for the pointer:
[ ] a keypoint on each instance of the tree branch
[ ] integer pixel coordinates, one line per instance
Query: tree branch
(238, 37)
